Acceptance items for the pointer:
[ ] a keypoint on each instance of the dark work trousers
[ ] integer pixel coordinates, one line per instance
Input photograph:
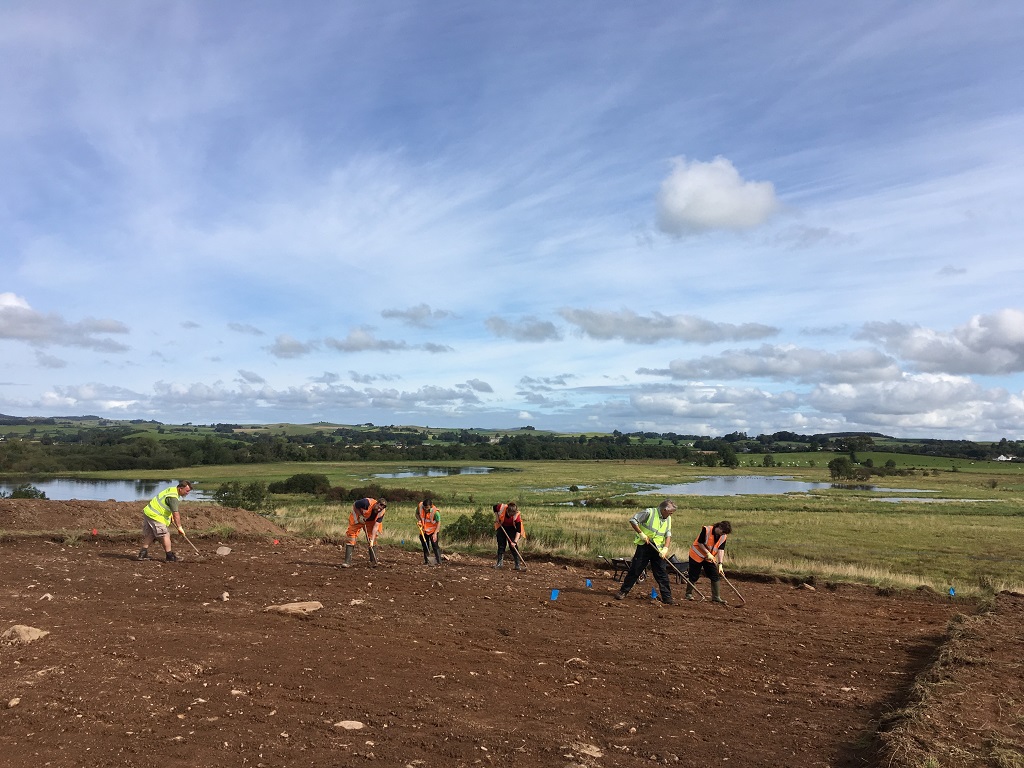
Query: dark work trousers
(647, 554)
(503, 541)
(708, 568)
(427, 543)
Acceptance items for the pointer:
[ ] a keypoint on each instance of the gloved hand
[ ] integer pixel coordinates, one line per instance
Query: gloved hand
(646, 538)
(721, 569)
(663, 552)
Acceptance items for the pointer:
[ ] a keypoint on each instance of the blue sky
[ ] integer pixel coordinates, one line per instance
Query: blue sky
(688, 217)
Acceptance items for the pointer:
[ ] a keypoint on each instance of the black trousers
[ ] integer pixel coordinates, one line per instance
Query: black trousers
(427, 543)
(708, 568)
(647, 554)
(503, 541)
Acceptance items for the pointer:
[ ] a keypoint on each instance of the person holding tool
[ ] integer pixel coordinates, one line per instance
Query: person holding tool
(428, 520)
(653, 528)
(158, 515)
(707, 554)
(368, 516)
(508, 527)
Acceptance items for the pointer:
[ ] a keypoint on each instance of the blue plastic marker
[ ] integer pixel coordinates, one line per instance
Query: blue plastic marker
(952, 592)
(654, 594)
(589, 585)
(554, 594)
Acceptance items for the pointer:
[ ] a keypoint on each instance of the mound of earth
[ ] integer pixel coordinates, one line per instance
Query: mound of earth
(119, 517)
(182, 664)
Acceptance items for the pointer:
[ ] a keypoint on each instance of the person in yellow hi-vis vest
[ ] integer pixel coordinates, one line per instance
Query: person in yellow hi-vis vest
(653, 528)
(159, 515)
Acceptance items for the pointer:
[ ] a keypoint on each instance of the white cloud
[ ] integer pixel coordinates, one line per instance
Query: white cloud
(19, 322)
(787, 363)
(525, 329)
(986, 344)
(286, 347)
(629, 326)
(699, 197)
(420, 316)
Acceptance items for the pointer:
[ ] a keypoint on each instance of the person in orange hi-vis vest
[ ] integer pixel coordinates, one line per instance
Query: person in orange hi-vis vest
(428, 520)
(707, 555)
(368, 515)
(508, 527)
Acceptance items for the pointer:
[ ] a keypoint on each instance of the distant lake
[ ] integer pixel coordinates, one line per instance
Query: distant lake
(64, 489)
(435, 472)
(743, 485)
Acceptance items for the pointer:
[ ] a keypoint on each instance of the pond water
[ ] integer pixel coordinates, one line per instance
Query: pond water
(743, 485)
(65, 488)
(435, 472)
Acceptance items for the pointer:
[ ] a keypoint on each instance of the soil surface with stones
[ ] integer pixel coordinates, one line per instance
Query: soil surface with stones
(172, 664)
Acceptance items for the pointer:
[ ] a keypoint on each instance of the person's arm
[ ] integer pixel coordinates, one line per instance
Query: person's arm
(637, 520)
(172, 504)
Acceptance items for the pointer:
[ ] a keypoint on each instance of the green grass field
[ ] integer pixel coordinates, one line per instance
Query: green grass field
(970, 540)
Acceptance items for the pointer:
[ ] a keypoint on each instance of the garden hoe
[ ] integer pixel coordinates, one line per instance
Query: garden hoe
(742, 601)
(186, 538)
(369, 546)
(683, 577)
(515, 549)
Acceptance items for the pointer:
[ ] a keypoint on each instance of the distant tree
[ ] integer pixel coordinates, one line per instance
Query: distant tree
(840, 468)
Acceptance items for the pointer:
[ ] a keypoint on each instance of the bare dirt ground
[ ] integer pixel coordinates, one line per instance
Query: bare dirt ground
(174, 664)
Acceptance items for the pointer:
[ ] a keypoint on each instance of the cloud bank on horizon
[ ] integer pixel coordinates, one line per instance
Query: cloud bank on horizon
(673, 218)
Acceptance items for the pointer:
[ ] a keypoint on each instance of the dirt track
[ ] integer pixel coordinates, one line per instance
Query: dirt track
(461, 665)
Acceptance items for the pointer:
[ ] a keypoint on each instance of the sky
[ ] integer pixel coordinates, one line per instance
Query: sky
(685, 217)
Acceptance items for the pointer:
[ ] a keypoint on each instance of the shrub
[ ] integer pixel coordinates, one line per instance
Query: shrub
(24, 491)
(252, 496)
(302, 483)
(472, 529)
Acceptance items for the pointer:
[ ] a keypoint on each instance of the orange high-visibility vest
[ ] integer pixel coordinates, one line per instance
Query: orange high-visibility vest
(369, 510)
(428, 518)
(504, 518)
(710, 543)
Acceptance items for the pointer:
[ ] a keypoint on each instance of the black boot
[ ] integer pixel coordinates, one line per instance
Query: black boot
(501, 559)
(348, 556)
(171, 557)
(143, 554)
(716, 595)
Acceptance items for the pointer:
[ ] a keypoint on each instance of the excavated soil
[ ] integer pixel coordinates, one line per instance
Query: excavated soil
(175, 664)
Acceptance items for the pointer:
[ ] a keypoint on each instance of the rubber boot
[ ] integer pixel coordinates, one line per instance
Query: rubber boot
(143, 554)
(501, 559)
(348, 556)
(689, 592)
(171, 557)
(426, 559)
(716, 595)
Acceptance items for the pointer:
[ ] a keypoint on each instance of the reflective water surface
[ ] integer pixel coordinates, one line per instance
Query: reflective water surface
(743, 485)
(62, 489)
(435, 472)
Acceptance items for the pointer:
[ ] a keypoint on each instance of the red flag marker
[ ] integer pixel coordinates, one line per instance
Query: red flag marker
(276, 542)
(93, 531)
